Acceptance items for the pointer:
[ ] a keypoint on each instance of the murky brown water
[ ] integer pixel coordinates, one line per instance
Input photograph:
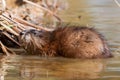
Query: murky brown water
(104, 15)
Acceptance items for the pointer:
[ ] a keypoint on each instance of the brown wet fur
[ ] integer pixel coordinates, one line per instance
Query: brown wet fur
(72, 42)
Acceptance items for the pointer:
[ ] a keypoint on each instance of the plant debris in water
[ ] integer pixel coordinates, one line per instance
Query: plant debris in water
(18, 15)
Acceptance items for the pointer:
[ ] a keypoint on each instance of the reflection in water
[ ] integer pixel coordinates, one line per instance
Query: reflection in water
(104, 15)
(36, 68)
(2, 68)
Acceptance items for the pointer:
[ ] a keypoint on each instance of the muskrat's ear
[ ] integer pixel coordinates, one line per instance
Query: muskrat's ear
(32, 30)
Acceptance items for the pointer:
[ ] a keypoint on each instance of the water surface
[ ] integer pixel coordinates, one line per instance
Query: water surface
(104, 15)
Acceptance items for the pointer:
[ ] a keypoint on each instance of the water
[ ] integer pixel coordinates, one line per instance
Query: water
(101, 14)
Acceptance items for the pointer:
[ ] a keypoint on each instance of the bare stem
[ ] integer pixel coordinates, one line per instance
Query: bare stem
(43, 8)
(117, 3)
(3, 5)
(6, 50)
(7, 35)
(20, 26)
(9, 29)
(30, 24)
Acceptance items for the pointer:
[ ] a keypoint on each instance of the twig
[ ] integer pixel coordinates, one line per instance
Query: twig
(11, 38)
(30, 24)
(3, 5)
(20, 26)
(117, 3)
(9, 29)
(25, 22)
(43, 8)
(21, 23)
(6, 50)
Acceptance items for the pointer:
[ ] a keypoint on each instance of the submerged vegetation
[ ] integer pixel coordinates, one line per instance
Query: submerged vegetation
(18, 15)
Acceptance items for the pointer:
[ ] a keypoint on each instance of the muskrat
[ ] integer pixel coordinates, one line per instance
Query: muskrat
(71, 42)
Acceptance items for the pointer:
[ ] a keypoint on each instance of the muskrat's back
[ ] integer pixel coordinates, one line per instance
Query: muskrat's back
(73, 42)
(81, 42)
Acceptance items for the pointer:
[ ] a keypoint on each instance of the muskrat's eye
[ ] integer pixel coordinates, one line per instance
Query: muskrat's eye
(32, 30)
(22, 33)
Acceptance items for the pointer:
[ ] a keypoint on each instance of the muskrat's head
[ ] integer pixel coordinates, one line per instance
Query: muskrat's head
(34, 40)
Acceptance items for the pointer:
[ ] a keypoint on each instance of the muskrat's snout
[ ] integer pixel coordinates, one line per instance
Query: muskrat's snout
(27, 35)
(29, 31)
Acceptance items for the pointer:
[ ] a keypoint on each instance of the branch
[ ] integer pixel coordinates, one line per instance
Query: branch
(6, 50)
(3, 5)
(30, 24)
(43, 8)
(117, 3)
(7, 35)
(9, 29)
